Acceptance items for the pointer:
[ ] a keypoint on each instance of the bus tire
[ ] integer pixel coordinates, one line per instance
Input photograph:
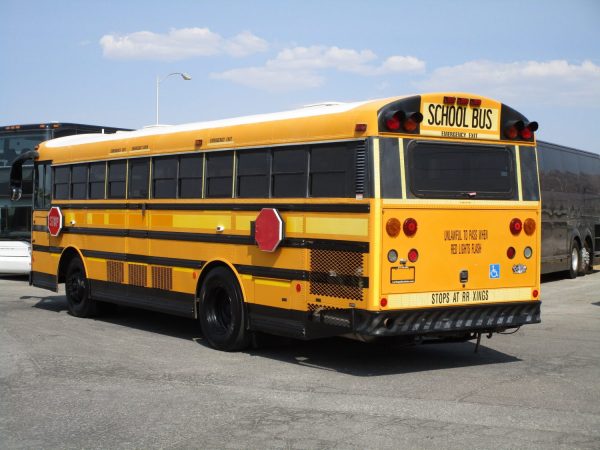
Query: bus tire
(221, 312)
(585, 266)
(574, 260)
(77, 289)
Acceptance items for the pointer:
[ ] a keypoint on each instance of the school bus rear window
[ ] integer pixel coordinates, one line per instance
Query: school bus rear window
(461, 171)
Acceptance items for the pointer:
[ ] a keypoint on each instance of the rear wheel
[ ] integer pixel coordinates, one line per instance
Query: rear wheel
(575, 260)
(77, 290)
(586, 259)
(221, 313)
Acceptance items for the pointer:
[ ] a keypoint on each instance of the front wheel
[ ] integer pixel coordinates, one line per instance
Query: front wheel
(575, 260)
(221, 313)
(77, 290)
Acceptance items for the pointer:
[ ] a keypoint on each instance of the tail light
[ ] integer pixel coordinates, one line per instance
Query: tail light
(413, 255)
(410, 227)
(529, 227)
(516, 226)
(511, 252)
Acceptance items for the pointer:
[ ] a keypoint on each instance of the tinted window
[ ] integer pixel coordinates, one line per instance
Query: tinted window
(461, 171)
(79, 179)
(96, 181)
(289, 172)
(253, 170)
(61, 182)
(117, 171)
(164, 177)
(138, 178)
(529, 176)
(389, 168)
(551, 176)
(219, 171)
(190, 176)
(332, 170)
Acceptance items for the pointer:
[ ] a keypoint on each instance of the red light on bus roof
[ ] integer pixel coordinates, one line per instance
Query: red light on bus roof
(475, 102)
(360, 127)
(449, 100)
(412, 121)
(526, 133)
(393, 122)
(511, 132)
(462, 101)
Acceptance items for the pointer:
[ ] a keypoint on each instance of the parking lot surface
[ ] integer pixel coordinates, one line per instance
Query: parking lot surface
(136, 379)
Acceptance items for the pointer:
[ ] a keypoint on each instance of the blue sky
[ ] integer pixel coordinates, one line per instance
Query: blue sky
(97, 61)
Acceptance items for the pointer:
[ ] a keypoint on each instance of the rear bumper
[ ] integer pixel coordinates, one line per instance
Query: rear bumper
(15, 265)
(433, 321)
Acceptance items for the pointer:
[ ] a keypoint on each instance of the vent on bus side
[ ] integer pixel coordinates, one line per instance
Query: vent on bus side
(138, 275)
(337, 274)
(361, 168)
(162, 278)
(114, 271)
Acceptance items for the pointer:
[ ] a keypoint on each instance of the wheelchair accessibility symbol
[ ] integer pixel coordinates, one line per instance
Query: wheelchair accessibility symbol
(494, 271)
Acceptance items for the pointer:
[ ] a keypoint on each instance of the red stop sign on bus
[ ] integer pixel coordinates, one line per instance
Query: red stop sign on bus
(268, 229)
(55, 221)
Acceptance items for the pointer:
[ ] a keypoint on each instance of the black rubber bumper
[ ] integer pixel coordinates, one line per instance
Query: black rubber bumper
(433, 321)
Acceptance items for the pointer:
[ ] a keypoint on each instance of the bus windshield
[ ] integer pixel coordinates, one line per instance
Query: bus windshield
(15, 144)
(15, 220)
(440, 170)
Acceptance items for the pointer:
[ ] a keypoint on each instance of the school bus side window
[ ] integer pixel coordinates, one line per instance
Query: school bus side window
(164, 177)
(79, 179)
(97, 178)
(43, 186)
(117, 171)
(138, 178)
(254, 167)
(290, 166)
(219, 174)
(190, 176)
(62, 177)
(332, 170)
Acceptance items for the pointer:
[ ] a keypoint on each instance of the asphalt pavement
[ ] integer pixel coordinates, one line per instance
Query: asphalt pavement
(136, 379)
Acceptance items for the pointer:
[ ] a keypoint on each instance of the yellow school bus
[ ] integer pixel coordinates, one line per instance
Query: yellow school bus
(412, 217)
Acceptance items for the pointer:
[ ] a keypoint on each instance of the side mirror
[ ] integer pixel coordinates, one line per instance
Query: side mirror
(16, 194)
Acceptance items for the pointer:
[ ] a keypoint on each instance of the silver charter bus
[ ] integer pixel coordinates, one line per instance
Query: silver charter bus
(15, 215)
(570, 185)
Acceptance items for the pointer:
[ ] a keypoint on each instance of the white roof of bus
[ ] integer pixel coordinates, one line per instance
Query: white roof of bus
(153, 130)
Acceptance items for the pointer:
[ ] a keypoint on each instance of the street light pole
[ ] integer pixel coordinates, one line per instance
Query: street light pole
(184, 75)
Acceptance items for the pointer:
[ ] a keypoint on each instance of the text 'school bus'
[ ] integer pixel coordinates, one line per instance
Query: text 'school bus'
(570, 185)
(15, 215)
(414, 217)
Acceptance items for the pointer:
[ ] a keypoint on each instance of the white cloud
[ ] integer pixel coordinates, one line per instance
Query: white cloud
(271, 80)
(299, 67)
(179, 44)
(554, 82)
